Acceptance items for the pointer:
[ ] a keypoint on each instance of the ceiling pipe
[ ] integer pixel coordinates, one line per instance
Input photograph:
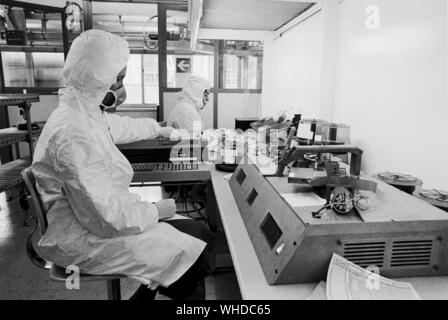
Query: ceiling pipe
(195, 9)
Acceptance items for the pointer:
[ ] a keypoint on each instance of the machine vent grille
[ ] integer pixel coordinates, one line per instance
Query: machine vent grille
(365, 254)
(412, 253)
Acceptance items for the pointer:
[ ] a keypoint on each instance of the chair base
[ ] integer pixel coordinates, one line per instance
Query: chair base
(113, 281)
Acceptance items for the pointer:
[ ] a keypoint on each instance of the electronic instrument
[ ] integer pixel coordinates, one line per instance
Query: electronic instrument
(399, 234)
(437, 198)
(405, 182)
(164, 166)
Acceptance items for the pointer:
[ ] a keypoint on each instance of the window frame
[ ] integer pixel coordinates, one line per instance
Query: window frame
(141, 106)
(242, 72)
(29, 49)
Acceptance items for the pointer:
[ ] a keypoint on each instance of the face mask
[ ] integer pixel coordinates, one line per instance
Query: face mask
(114, 98)
(205, 99)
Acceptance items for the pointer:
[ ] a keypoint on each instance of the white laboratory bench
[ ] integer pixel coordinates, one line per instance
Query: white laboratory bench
(251, 279)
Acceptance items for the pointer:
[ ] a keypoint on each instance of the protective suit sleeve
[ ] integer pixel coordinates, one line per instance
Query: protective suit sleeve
(187, 119)
(167, 208)
(101, 207)
(126, 130)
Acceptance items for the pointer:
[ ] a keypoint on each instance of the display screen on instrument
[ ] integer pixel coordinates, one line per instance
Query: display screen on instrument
(252, 196)
(271, 230)
(241, 176)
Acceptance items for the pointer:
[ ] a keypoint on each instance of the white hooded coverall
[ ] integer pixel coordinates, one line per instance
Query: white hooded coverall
(187, 109)
(94, 222)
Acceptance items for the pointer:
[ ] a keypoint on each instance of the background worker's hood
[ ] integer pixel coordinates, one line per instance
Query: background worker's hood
(193, 91)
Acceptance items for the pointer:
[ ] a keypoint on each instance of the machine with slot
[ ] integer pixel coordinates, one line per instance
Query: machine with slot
(336, 211)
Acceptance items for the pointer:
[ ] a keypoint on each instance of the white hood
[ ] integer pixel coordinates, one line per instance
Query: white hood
(95, 59)
(193, 91)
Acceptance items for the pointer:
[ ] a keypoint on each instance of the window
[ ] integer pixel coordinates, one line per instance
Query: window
(134, 22)
(32, 45)
(151, 78)
(181, 60)
(133, 80)
(15, 69)
(33, 69)
(203, 66)
(200, 65)
(48, 69)
(231, 66)
(242, 64)
(252, 72)
(142, 79)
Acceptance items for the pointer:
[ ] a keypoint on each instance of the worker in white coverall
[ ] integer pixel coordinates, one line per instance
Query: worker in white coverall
(191, 101)
(94, 221)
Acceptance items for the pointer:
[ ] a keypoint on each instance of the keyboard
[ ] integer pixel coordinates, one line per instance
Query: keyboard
(164, 166)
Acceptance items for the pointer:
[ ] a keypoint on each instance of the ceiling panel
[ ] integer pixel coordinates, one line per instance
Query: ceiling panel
(134, 9)
(131, 18)
(265, 15)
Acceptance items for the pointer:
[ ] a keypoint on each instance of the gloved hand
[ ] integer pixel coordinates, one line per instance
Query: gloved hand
(167, 208)
(166, 132)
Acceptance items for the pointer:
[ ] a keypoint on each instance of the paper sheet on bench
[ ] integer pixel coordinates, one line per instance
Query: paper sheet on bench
(303, 199)
(347, 281)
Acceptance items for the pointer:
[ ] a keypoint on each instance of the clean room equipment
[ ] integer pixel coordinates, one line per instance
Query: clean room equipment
(399, 234)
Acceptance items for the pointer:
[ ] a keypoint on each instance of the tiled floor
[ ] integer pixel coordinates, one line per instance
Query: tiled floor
(20, 279)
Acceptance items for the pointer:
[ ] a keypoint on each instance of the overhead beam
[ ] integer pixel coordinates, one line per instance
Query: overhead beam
(195, 8)
(176, 2)
(303, 16)
(87, 14)
(235, 34)
(26, 5)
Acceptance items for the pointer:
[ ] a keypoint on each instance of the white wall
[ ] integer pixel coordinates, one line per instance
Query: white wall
(292, 71)
(237, 105)
(391, 86)
(330, 12)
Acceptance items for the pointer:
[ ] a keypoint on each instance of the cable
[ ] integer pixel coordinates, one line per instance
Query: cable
(188, 212)
(147, 41)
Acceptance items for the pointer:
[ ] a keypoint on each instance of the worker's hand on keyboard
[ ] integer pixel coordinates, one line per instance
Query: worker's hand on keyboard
(166, 132)
(167, 208)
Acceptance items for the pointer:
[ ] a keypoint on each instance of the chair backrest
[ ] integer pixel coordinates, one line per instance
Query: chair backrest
(39, 214)
(34, 200)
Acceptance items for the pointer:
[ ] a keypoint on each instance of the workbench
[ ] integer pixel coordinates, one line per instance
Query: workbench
(251, 279)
